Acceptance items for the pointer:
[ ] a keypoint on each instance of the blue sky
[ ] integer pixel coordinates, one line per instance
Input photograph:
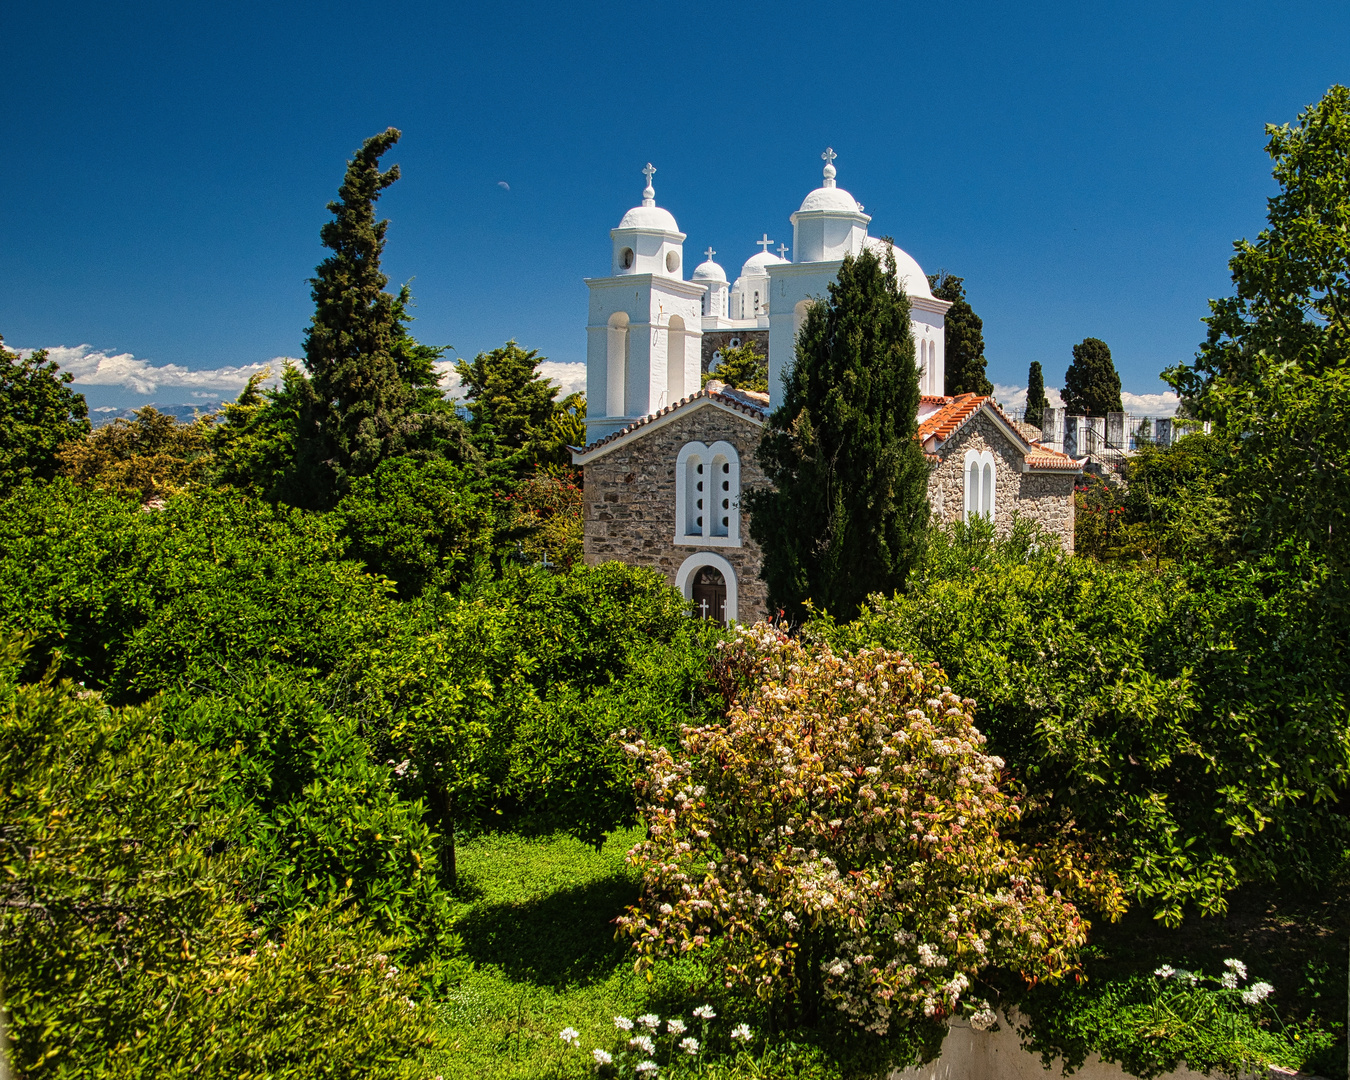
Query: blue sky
(1085, 167)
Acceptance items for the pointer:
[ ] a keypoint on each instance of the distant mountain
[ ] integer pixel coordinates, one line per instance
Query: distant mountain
(183, 413)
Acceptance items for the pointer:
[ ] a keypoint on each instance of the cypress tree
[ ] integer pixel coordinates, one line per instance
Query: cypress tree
(1091, 385)
(848, 510)
(1037, 402)
(963, 339)
(369, 380)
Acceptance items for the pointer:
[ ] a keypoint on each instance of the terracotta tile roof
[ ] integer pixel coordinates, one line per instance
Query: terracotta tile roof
(957, 412)
(738, 403)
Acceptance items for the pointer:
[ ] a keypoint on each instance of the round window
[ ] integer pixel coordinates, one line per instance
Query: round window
(672, 261)
(626, 258)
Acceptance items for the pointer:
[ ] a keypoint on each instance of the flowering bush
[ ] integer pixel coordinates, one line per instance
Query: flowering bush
(644, 1054)
(837, 839)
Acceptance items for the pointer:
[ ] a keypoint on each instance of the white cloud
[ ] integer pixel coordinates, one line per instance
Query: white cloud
(95, 367)
(570, 377)
(1164, 404)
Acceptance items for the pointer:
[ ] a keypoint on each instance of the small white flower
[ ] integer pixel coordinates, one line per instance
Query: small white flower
(704, 1012)
(645, 1067)
(665, 909)
(1166, 971)
(984, 1019)
(689, 1045)
(623, 1023)
(1257, 992)
(643, 1043)
(602, 1057)
(1237, 967)
(1229, 980)
(741, 1033)
(675, 1027)
(650, 1021)
(571, 1036)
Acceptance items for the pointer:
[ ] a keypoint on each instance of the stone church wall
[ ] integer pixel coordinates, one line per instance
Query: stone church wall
(1045, 497)
(630, 502)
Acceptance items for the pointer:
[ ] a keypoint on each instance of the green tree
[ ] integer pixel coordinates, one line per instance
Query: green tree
(150, 457)
(38, 416)
(1091, 384)
(253, 443)
(1274, 371)
(367, 373)
(125, 944)
(1037, 402)
(847, 511)
(743, 367)
(512, 407)
(963, 339)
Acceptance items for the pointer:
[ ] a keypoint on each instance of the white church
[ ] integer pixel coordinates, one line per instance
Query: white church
(666, 458)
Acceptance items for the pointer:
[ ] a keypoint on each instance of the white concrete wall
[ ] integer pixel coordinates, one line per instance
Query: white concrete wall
(968, 1054)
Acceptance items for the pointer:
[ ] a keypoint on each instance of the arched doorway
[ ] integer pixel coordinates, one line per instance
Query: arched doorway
(708, 591)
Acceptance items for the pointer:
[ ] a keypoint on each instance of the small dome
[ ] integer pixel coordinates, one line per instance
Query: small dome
(759, 264)
(650, 219)
(831, 200)
(709, 271)
(907, 268)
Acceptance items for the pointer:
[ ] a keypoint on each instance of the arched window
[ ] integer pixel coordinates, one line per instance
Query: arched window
(675, 344)
(708, 495)
(981, 475)
(708, 582)
(616, 366)
(756, 301)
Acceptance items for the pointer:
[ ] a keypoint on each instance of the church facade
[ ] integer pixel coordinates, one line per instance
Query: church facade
(667, 459)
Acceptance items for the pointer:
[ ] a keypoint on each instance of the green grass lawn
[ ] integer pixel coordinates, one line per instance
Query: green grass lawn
(535, 919)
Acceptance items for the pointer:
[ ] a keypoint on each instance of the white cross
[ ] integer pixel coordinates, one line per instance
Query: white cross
(649, 172)
(710, 253)
(828, 157)
(766, 243)
(703, 608)
(782, 252)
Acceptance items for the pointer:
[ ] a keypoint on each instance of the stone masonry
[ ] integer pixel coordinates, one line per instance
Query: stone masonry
(1046, 497)
(630, 501)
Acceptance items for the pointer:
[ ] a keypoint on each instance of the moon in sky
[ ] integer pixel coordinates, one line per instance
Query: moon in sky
(503, 185)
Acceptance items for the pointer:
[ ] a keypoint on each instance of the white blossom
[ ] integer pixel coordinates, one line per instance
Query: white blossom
(704, 1012)
(650, 1021)
(645, 1067)
(689, 1045)
(602, 1057)
(741, 1032)
(643, 1043)
(675, 1027)
(1237, 967)
(1257, 992)
(1165, 972)
(571, 1036)
(984, 1019)
(623, 1023)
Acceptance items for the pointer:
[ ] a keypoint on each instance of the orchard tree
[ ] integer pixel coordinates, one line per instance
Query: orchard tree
(367, 376)
(963, 338)
(1092, 385)
(38, 416)
(846, 511)
(1274, 371)
(1037, 402)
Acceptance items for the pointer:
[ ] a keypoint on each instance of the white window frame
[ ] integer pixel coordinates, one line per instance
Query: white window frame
(685, 494)
(684, 578)
(984, 499)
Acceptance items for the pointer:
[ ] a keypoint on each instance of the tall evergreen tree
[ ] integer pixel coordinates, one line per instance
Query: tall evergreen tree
(847, 511)
(512, 407)
(368, 377)
(963, 339)
(1037, 402)
(1092, 385)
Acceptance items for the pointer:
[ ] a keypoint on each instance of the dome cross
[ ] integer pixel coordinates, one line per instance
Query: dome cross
(782, 252)
(649, 193)
(710, 253)
(827, 157)
(766, 243)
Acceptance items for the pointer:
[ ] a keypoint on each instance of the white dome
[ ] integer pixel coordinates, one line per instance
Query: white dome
(907, 269)
(833, 200)
(758, 264)
(709, 271)
(650, 219)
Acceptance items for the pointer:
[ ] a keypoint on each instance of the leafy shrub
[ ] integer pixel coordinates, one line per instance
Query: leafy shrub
(418, 522)
(1192, 723)
(124, 945)
(39, 415)
(150, 457)
(838, 838)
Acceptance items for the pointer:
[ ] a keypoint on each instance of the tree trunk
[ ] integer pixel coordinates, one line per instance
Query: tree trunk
(449, 870)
